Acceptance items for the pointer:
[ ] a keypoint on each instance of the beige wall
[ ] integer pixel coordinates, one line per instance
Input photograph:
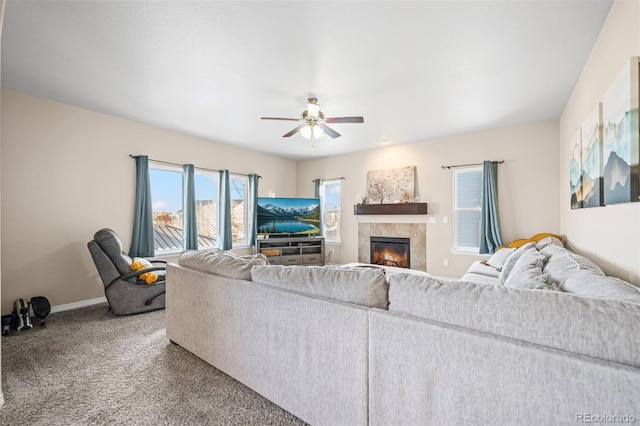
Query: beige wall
(66, 173)
(528, 185)
(609, 235)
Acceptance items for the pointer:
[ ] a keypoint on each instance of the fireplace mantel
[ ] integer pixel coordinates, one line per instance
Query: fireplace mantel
(398, 208)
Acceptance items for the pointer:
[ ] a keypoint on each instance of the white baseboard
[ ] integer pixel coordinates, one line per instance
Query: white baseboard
(80, 304)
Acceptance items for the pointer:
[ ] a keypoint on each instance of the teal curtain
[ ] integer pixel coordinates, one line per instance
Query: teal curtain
(189, 225)
(253, 210)
(142, 238)
(225, 233)
(317, 183)
(490, 238)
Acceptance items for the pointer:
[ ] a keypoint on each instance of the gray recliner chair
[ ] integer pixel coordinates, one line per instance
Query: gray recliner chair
(126, 293)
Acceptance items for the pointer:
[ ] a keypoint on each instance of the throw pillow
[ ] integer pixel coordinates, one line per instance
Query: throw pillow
(248, 257)
(550, 240)
(584, 263)
(530, 279)
(552, 250)
(139, 264)
(499, 258)
(530, 258)
(511, 261)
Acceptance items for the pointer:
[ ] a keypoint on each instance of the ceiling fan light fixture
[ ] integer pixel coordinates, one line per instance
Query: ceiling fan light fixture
(313, 125)
(307, 130)
(313, 109)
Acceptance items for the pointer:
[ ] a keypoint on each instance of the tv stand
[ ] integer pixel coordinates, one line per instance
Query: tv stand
(293, 250)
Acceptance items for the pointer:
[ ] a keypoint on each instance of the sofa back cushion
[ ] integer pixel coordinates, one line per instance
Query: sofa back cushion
(601, 328)
(591, 284)
(222, 263)
(362, 286)
(561, 263)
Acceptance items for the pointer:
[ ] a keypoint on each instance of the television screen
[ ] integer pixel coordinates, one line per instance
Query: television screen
(287, 216)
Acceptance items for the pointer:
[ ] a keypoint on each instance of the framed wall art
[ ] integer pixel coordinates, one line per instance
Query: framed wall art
(591, 156)
(575, 173)
(391, 185)
(605, 152)
(620, 136)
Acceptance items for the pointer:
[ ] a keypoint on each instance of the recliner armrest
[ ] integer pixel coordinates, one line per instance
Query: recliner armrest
(133, 274)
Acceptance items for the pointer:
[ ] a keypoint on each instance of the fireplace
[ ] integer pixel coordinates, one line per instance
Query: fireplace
(389, 251)
(417, 232)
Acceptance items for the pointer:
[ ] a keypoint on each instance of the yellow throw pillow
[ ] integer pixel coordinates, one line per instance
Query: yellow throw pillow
(520, 242)
(139, 264)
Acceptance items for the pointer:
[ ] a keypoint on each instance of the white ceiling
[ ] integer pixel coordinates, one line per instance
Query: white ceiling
(415, 70)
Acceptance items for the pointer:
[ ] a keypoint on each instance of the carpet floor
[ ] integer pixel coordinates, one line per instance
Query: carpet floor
(89, 367)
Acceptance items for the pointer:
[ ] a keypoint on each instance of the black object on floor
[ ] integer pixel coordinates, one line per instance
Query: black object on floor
(41, 308)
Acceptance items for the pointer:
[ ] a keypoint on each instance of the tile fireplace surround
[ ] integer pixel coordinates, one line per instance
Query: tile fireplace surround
(417, 232)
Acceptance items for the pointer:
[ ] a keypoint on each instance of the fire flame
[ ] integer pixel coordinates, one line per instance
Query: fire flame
(390, 258)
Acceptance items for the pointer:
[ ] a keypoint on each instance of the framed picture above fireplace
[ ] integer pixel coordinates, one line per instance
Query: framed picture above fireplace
(391, 185)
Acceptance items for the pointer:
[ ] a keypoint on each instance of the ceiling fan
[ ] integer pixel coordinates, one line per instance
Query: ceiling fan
(313, 124)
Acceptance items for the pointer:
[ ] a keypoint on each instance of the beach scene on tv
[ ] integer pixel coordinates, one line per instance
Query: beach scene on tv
(288, 216)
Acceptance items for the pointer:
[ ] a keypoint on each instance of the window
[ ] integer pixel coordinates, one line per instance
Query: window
(238, 185)
(467, 187)
(206, 184)
(166, 199)
(330, 199)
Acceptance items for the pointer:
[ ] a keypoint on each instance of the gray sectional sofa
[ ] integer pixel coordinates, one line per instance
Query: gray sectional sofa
(357, 346)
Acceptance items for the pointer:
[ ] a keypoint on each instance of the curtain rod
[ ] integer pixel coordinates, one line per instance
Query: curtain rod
(465, 165)
(341, 178)
(198, 168)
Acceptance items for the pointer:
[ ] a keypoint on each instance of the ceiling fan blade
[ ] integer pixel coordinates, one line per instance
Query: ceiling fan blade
(279, 118)
(344, 120)
(329, 131)
(294, 131)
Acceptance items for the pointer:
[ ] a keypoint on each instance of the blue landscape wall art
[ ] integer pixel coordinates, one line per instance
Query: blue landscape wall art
(620, 136)
(591, 154)
(605, 150)
(575, 173)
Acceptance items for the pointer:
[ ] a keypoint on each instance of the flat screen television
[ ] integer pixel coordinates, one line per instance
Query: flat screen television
(288, 216)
